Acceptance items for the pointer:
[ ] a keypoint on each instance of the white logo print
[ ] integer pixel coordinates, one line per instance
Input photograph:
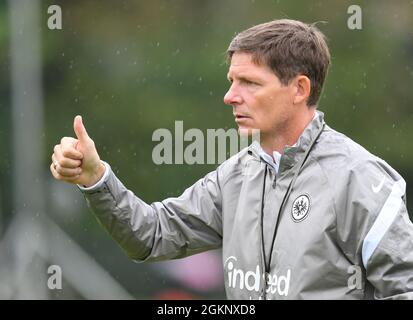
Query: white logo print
(376, 189)
(251, 280)
(301, 208)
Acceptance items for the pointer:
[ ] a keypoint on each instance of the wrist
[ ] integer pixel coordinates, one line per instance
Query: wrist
(97, 176)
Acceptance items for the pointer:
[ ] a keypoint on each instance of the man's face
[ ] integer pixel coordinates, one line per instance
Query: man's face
(258, 98)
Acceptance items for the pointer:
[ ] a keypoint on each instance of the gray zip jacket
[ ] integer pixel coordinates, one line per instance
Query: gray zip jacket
(331, 224)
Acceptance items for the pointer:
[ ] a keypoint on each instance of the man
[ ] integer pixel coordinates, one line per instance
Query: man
(305, 214)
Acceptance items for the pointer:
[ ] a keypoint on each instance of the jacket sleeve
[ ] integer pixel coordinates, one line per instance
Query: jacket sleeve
(374, 228)
(172, 228)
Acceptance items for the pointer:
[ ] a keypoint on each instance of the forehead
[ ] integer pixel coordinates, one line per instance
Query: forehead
(242, 62)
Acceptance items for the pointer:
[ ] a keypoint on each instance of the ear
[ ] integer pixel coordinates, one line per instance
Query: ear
(303, 89)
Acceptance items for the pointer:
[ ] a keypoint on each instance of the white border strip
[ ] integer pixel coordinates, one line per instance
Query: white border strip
(383, 220)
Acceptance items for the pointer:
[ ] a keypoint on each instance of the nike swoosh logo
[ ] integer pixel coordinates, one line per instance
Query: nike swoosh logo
(376, 189)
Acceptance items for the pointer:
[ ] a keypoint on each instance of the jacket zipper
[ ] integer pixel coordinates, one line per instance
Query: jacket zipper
(274, 183)
(280, 211)
(263, 263)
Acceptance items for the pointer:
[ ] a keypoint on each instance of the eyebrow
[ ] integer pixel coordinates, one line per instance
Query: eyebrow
(244, 78)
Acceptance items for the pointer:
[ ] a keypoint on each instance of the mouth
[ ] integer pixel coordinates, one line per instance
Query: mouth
(240, 117)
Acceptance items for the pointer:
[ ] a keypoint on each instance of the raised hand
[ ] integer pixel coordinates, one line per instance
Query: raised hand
(77, 160)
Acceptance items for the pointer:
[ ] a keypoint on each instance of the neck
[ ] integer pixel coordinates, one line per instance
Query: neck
(289, 133)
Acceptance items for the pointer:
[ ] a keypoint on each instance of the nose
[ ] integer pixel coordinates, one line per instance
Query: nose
(232, 96)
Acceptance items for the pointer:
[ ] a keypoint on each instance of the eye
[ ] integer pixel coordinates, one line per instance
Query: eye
(249, 82)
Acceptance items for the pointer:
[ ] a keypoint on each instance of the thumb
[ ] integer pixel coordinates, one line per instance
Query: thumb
(80, 129)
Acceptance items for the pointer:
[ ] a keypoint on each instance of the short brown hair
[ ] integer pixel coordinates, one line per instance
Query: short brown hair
(289, 48)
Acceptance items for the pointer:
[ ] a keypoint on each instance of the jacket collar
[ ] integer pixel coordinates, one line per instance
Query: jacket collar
(292, 154)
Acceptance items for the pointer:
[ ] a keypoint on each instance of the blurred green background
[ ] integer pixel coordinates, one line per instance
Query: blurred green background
(131, 67)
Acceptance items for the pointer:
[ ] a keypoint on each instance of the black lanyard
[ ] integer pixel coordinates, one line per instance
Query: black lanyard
(287, 194)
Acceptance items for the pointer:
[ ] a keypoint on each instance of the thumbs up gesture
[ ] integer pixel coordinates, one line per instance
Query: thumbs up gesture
(76, 160)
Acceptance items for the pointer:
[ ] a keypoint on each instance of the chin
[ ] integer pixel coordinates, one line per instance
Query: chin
(246, 131)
